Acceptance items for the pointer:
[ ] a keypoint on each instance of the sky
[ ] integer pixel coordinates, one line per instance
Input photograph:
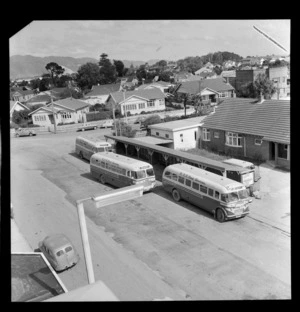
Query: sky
(142, 40)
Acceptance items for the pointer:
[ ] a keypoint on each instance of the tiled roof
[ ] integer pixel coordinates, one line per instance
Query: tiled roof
(149, 94)
(72, 103)
(216, 84)
(39, 98)
(269, 119)
(24, 92)
(104, 89)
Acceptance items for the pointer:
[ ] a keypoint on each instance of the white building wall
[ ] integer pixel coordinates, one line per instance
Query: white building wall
(188, 140)
(137, 101)
(101, 99)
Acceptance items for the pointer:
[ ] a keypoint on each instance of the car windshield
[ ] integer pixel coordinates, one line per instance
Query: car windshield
(60, 253)
(100, 149)
(150, 172)
(68, 249)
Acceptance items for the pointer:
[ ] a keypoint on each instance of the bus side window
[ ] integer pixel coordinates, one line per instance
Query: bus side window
(103, 164)
(188, 182)
(128, 173)
(196, 186)
(210, 192)
(224, 198)
(174, 176)
(133, 174)
(168, 174)
(181, 180)
(203, 189)
(217, 194)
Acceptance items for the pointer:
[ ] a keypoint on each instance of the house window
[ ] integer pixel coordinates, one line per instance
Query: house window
(282, 151)
(258, 141)
(216, 135)
(167, 136)
(161, 102)
(66, 115)
(150, 103)
(141, 105)
(233, 139)
(206, 134)
(223, 94)
(40, 118)
(195, 133)
(157, 133)
(181, 137)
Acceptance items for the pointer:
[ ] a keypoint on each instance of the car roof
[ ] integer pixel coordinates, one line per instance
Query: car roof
(55, 241)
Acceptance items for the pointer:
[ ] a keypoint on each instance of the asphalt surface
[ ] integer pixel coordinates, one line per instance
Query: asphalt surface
(151, 247)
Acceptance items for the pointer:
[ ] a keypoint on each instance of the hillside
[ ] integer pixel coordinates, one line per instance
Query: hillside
(28, 66)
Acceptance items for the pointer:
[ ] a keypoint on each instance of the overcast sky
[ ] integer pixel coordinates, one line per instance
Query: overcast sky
(142, 40)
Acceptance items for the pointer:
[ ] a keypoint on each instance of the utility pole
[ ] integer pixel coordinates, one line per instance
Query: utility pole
(54, 122)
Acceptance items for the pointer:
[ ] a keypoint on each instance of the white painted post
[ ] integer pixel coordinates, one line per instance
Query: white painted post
(85, 242)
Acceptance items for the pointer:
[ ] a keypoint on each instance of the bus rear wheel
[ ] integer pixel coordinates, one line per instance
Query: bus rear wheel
(220, 215)
(176, 195)
(102, 179)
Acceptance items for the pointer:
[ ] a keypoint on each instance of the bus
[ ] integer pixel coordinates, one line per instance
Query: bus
(223, 197)
(85, 147)
(121, 170)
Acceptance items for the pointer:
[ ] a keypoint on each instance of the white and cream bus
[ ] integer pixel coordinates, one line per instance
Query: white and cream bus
(223, 197)
(120, 171)
(85, 147)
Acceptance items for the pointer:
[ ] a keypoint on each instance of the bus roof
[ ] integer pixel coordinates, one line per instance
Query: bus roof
(209, 178)
(94, 140)
(127, 162)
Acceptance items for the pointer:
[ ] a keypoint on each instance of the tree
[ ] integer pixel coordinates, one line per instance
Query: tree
(119, 67)
(141, 73)
(63, 81)
(152, 120)
(21, 116)
(166, 76)
(108, 73)
(261, 85)
(88, 75)
(55, 70)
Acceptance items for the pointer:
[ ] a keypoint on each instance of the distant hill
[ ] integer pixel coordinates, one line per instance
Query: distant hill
(27, 66)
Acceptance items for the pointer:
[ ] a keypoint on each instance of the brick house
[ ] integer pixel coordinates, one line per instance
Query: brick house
(245, 76)
(250, 128)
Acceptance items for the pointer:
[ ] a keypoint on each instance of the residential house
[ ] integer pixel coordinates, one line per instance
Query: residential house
(280, 77)
(16, 106)
(210, 89)
(100, 93)
(22, 95)
(207, 68)
(40, 99)
(229, 76)
(66, 111)
(250, 128)
(184, 134)
(228, 64)
(181, 76)
(137, 101)
(161, 85)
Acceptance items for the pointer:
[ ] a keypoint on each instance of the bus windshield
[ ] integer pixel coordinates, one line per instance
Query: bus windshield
(139, 174)
(234, 196)
(150, 172)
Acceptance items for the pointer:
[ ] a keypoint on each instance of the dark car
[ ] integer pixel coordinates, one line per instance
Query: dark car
(59, 251)
(87, 126)
(24, 132)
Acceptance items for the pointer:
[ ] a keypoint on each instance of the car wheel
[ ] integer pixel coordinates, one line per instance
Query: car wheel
(176, 195)
(17, 135)
(82, 129)
(102, 179)
(30, 134)
(220, 215)
(81, 155)
(95, 128)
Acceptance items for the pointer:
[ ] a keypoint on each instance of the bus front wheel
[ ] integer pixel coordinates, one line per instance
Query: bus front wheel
(176, 195)
(102, 179)
(220, 215)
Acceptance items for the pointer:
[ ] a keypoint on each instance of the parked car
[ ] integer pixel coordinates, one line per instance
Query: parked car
(107, 124)
(87, 126)
(24, 132)
(59, 251)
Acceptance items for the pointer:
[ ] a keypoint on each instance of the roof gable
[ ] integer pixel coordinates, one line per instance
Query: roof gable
(269, 119)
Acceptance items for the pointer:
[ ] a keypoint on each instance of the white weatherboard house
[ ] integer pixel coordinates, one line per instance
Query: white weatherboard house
(66, 111)
(16, 106)
(137, 101)
(184, 133)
